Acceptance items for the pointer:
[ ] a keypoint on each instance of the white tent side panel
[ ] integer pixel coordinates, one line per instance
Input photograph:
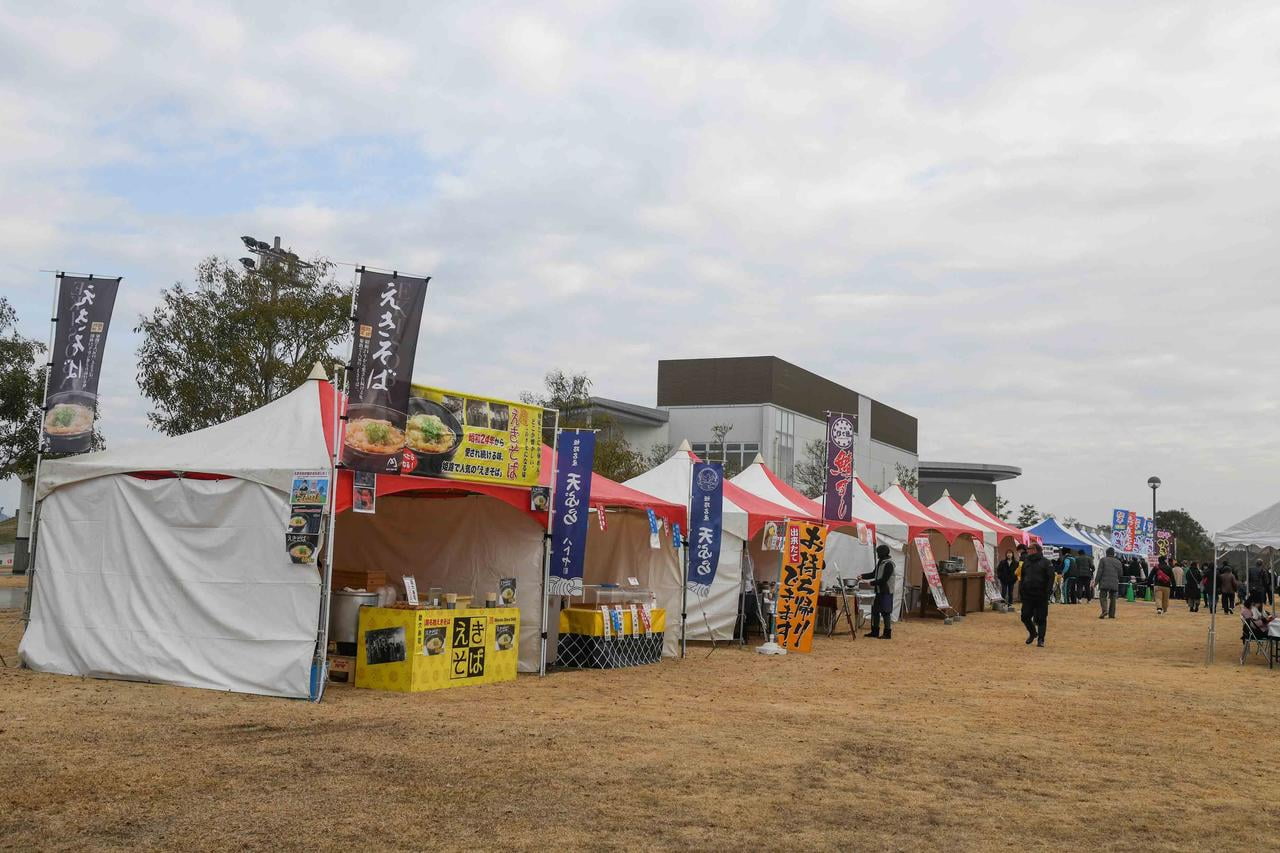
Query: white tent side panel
(172, 581)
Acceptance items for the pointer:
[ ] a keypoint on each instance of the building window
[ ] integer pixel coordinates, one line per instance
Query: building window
(785, 445)
(736, 455)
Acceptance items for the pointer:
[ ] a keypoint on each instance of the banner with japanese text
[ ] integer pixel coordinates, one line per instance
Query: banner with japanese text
(1120, 529)
(1149, 537)
(706, 509)
(803, 557)
(1131, 533)
(570, 503)
(984, 564)
(460, 436)
(71, 404)
(1164, 544)
(837, 498)
(931, 576)
(388, 315)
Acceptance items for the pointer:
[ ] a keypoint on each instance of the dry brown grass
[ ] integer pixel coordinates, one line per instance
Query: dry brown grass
(11, 581)
(1114, 737)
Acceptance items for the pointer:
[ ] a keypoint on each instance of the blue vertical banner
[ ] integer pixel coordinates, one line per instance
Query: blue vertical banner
(706, 510)
(1120, 529)
(837, 496)
(575, 453)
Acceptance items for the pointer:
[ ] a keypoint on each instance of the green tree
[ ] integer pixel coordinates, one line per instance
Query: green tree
(1193, 542)
(570, 395)
(1029, 515)
(1002, 508)
(237, 340)
(21, 396)
(811, 470)
(908, 478)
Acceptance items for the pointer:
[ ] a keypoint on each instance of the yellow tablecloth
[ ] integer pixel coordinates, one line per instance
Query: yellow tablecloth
(590, 622)
(415, 650)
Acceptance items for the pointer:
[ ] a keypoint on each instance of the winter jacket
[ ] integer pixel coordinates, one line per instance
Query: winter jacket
(1154, 576)
(1037, 578)
(1194, 578)
(1007, 571)
(882, 577)
(1227, 582)
(1110, 571)
(1084, 566)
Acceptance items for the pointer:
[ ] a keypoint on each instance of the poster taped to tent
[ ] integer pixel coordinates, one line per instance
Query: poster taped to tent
(803, 557)
(930, 567)
(308, 498)
(460, 436)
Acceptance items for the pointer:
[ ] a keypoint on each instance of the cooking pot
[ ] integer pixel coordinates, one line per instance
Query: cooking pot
(344, 614)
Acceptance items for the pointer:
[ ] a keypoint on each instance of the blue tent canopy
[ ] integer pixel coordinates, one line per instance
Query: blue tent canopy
(1051, 533)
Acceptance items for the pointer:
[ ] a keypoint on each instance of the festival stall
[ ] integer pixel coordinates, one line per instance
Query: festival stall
(165, 561)
(467, 538)
(849, 554)
(1054, 535)
(1259, 531)
(744, 518)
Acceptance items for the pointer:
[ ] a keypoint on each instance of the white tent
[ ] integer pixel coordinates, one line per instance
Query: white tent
(947, 507)
(145, 571)
(1260, 530)
(743, 517)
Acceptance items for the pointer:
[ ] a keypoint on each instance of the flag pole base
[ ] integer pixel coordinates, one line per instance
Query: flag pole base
(771, 648)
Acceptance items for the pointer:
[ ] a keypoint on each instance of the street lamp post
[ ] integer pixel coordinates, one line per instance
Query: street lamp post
(1154, 483)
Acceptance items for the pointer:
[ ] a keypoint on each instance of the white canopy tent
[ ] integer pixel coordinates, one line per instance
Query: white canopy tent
(165, 561)
(1260, 530)
(947, 507)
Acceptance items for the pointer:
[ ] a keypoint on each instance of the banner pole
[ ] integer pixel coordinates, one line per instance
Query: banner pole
(341, 383)
(546, 548)
(35, 496)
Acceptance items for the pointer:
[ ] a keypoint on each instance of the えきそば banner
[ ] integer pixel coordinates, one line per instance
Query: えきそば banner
(706, 505)
(837, 500)
(460, 436)
(803, 558)
(388, 315)
(71, 403)
(570, 507)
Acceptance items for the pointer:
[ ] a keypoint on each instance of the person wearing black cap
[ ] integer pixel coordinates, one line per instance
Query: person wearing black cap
(1035, 588)
(882, 605)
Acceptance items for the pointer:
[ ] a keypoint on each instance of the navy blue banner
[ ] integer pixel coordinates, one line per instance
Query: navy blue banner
(706, 509)
(570, 508)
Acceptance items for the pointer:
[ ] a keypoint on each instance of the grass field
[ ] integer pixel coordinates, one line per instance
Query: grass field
(1114, 737)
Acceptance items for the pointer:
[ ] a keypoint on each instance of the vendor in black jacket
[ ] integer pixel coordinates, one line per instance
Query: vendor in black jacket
(1035, 588)
(882, 604)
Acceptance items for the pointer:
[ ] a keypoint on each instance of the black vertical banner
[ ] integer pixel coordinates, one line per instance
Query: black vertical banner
(837, 496)
(71, 403)
(388, 314)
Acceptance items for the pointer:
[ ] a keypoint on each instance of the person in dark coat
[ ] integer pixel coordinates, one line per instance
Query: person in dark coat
(882, 605)
(1035, 588)
(1084, 576)
(1227, 586)
(1192, 580)
(1007, 574)
(1107, 579)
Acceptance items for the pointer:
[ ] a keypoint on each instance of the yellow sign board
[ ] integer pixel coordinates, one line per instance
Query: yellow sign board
(461, 436)
(416, 650)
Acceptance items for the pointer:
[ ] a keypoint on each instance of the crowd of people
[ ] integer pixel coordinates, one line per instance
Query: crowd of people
(1072, 577)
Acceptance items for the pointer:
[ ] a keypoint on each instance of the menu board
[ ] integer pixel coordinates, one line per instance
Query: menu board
(460, 436)
(308, 497)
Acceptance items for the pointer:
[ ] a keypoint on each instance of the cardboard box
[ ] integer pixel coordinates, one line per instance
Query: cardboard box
(342, 669)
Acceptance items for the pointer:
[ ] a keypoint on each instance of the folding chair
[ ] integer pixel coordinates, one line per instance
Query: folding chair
(1260, 644)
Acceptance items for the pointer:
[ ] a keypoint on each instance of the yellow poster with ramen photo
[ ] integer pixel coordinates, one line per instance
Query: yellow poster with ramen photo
(460, 436)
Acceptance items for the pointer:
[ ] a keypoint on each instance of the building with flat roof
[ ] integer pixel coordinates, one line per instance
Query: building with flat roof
(770, 407)
(963, 479)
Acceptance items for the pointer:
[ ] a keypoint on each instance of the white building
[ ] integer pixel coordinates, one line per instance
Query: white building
(772, 407)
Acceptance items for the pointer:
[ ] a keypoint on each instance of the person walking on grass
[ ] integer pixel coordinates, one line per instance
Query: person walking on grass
(1227, 586)
(1107, 580)
(1162, 580)
(1035, 589)
(1193, 578)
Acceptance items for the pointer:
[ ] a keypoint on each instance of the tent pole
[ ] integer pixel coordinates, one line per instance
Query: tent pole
(1213, 603)
(742, 602)
(684, 593)
(546, 551)
(35, 496)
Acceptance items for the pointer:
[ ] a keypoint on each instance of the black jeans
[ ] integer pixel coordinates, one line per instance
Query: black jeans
(882, 607)
(1228, 601)
(1035, 615)
(1006, 589)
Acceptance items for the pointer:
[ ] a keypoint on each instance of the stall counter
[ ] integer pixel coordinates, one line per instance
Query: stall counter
(413, 650)
(585, 643)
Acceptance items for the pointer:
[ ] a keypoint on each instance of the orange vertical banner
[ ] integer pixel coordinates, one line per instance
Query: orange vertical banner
(803, 557)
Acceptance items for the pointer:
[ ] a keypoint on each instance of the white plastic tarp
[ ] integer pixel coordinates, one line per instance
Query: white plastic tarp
(173, 581)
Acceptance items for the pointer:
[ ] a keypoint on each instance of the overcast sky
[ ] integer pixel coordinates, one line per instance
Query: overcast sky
(1046, 230)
